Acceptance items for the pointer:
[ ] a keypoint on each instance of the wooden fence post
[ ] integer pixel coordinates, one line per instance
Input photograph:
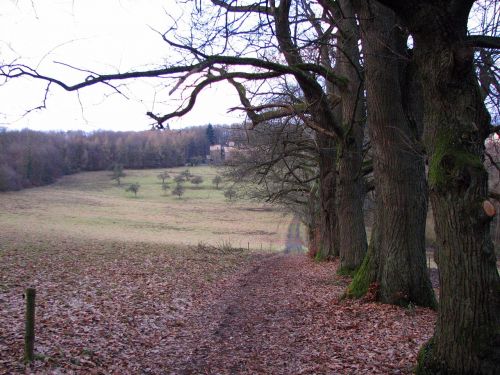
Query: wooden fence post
(29, 333)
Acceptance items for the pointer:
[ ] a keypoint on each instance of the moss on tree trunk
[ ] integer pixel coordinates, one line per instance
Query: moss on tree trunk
(350, 186)
(396, 259)
(467, 337)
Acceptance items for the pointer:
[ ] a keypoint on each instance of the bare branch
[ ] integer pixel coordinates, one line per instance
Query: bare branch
(484, 41)
(257, 8)
(299, 71)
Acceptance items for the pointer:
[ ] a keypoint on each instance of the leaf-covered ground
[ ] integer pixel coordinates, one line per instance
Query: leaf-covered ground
(102, 307)
(132, 308)
(283, 316)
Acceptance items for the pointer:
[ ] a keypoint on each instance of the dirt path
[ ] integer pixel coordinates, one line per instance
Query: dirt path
(293, 240)
(143, 310)
(282, 316)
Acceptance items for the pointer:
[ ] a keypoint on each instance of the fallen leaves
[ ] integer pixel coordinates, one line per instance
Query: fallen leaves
(115, 308)
(107, 306)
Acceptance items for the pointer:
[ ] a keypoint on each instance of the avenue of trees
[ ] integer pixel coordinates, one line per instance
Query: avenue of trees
(386, 97)
(29, 158)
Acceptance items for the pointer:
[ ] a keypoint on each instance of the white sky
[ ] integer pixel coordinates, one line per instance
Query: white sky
(105, 36)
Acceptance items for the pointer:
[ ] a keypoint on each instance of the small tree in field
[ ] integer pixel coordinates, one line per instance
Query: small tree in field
(230, 193)
(197, 180)
(179, 179)
(163, 176)
(186, 174)
(133, 188)
(178, 190)
(217, 181)
(165, 186)
(196, 160)
(117, 173)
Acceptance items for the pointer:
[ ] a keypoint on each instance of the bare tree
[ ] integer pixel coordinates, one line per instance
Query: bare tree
(456, 124)
(284, 48)
(179, 179)
(230, 193)
(117, 173)
(254, 43)
(163, 176)
(396, 259)
(178, 190)
(197, 180)
(186, 174)
(165, 186)
(133, 188)
(278, 163)
(349, 156)
(217, 181)
(319, 105)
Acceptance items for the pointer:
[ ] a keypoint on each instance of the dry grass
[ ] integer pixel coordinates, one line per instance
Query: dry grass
(118, 276)
(91, 206)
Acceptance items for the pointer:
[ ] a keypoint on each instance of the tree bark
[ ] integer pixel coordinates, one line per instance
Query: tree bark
(350, 187)
(312, 220)
(328, 247)
(456, 122)
(323, 115)
(398, 239)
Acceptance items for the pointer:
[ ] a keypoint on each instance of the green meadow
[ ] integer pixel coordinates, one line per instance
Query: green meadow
(90, 205)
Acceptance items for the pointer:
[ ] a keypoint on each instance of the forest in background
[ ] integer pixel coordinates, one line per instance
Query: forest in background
(31, 158)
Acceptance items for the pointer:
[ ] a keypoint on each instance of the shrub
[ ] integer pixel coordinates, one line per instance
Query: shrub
(163, 176)
(217, 181)
(133, 188)
(197, 180)
(165, 186)
(230, 193)
(178, 190)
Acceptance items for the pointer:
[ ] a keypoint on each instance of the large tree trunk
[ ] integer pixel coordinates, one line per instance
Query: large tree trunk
(398, 248)
(328, 240)
(350, 187)
(467, 335)
(324, 115)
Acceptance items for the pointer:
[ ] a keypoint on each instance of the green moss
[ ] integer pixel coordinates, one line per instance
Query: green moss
(436, 172)
(319, 256)
(346, 271)
(362, 279)
(424, 359)
(450, 159)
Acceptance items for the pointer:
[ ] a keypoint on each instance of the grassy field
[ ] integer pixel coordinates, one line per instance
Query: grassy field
(92, 206)
(117, 276)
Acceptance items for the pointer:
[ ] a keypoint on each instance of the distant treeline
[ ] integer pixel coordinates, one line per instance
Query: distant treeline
(31, 158)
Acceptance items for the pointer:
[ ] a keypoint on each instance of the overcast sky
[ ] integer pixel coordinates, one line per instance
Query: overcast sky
(105, 36)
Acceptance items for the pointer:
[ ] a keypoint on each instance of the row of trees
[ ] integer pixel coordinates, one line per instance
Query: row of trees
(29, 158)
(410, 100)
(424, 107)
(187, 176)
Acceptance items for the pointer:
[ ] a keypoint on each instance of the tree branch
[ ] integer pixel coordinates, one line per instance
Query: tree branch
(18, 70)
(256, 118)
(484, 41)
(255, 8)
(199, 88)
